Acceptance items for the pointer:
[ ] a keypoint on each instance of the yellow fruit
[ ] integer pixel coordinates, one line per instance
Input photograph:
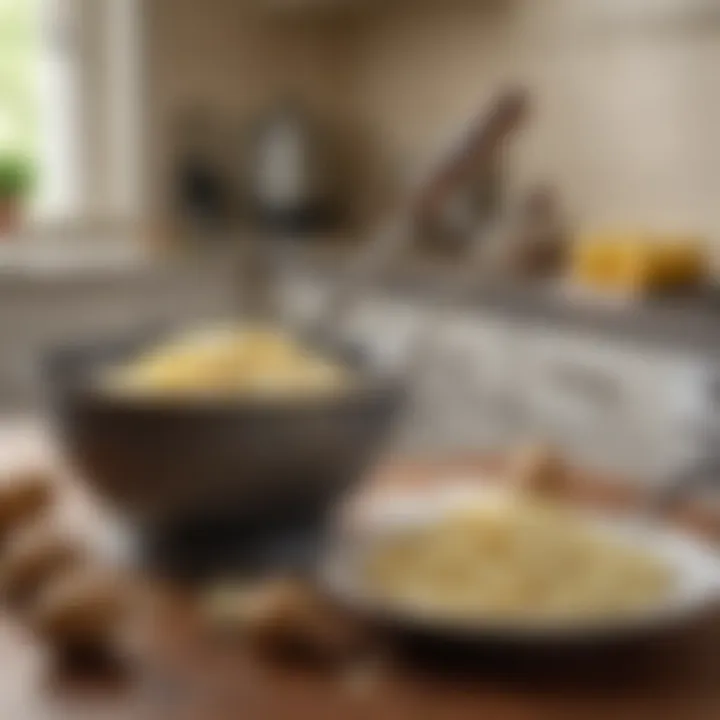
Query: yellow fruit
(638, 262)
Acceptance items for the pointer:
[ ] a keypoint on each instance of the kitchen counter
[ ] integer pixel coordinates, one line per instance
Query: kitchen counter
(681, 324)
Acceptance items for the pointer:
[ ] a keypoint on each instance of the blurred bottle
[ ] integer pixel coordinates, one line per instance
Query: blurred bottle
(290, 180)
(203, 189)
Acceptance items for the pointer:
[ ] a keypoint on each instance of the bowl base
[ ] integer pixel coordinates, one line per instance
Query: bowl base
(201, 549)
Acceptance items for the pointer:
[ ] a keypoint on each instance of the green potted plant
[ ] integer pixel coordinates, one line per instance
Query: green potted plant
(16, 182)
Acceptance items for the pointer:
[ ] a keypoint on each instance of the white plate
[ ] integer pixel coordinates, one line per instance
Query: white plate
(694, 564)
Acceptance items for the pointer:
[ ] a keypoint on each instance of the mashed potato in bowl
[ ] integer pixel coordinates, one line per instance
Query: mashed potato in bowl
(245, 361)
(513, 559)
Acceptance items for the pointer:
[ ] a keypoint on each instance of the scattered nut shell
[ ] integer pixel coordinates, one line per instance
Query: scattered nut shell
(82, 607)
(33, 559)
(538, 469)
(23, 496)
(283, 614)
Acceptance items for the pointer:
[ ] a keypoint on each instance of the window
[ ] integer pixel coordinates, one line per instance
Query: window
(69, 98)
(19, 53)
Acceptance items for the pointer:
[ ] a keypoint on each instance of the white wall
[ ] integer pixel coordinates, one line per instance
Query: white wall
(627, 97)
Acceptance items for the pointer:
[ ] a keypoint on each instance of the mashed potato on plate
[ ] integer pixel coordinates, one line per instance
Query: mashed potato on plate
(512, 557)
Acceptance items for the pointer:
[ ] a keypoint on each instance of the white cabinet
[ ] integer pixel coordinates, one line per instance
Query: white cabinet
(489, 383)
(579, 387)
(614, 405)
(388, 330)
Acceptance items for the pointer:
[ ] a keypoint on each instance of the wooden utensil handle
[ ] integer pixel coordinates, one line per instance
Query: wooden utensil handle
(487, 133)
(392, 242)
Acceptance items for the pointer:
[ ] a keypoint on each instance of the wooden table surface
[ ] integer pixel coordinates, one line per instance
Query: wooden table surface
(183, 675)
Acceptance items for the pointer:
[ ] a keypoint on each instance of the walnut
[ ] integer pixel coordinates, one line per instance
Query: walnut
(33, 558)
(538, 469)
(285, 615)
(23, 496)
(85, 607)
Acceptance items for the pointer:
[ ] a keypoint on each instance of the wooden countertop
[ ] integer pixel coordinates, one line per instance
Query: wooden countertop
(185, 676)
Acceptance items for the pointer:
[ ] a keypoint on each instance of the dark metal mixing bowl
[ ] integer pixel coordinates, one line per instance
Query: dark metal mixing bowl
(164, 461)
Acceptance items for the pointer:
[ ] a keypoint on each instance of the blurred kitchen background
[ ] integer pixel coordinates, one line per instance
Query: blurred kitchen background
(145, 145)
